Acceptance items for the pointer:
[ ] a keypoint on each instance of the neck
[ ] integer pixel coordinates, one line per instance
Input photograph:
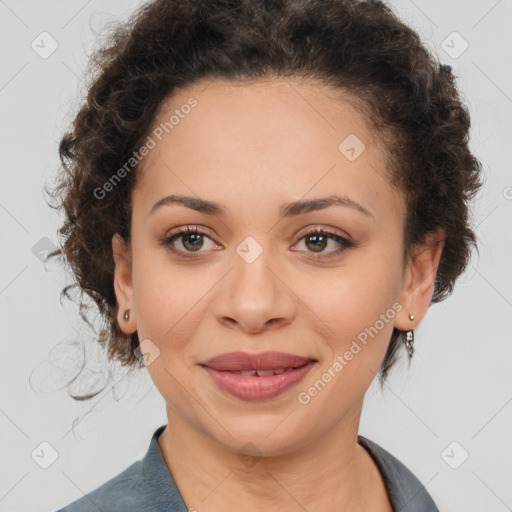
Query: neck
(332, 470)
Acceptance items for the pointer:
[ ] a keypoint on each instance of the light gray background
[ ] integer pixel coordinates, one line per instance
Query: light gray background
(458, 387)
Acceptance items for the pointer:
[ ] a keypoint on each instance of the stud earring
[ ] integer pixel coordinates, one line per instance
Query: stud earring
(127, 314)
(409, 340)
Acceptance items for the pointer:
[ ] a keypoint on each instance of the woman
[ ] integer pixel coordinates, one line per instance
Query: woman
(263, 199)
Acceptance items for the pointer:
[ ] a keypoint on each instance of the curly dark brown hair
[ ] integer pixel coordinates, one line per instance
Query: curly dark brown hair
(360, 47)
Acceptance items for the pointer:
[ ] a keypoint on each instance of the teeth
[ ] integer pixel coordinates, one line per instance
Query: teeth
(246, 373)
(265, 373)
(261, 373)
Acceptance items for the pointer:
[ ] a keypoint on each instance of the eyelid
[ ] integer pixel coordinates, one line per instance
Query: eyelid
(190, 227)
(326, 229)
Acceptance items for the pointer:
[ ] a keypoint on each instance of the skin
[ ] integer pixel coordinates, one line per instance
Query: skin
(252, 147)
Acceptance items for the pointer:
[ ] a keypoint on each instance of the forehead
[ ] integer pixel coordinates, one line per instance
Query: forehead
(259, 110)
(279, 138)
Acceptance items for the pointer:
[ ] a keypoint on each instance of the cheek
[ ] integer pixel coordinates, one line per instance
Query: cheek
(357, 309)
(171, 304)
(354, 297)
(168, 297)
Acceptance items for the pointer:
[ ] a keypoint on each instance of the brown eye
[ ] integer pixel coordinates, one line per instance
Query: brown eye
(317, 240)
(192, 241)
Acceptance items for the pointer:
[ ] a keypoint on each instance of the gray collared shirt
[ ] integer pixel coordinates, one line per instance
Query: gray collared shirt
(148, 486)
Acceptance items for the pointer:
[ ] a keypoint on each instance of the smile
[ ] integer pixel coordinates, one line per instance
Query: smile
(258, 384)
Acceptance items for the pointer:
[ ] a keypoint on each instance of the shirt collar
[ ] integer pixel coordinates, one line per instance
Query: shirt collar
(158, 478)
(405, 491)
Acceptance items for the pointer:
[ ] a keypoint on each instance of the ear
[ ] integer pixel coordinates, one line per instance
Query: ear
(123, 285)
(419, 279)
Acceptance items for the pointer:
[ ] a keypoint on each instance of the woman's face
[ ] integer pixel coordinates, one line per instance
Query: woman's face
(254, 280)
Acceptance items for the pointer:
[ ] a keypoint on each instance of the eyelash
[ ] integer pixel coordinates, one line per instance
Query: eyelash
(345, 243)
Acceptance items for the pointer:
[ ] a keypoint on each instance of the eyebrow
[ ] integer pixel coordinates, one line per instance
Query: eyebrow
(287, 209)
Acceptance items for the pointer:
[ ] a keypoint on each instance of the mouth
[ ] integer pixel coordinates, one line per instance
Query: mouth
(257, 376)
(263, 373)
(278, 362)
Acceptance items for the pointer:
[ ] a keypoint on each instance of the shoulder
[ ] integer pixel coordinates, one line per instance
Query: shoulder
(406, 492)
(123, 492)
(145, 485)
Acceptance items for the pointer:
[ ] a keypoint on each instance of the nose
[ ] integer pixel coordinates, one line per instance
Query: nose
(254, 297)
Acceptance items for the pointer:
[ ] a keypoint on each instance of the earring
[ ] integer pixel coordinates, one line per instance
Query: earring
(409, 340)
(127, 314)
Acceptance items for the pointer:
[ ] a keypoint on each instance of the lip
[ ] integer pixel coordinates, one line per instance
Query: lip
(238, 361)
(221, 368)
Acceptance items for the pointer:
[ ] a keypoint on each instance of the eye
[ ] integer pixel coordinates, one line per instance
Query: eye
(191, 239)
(317, 239)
